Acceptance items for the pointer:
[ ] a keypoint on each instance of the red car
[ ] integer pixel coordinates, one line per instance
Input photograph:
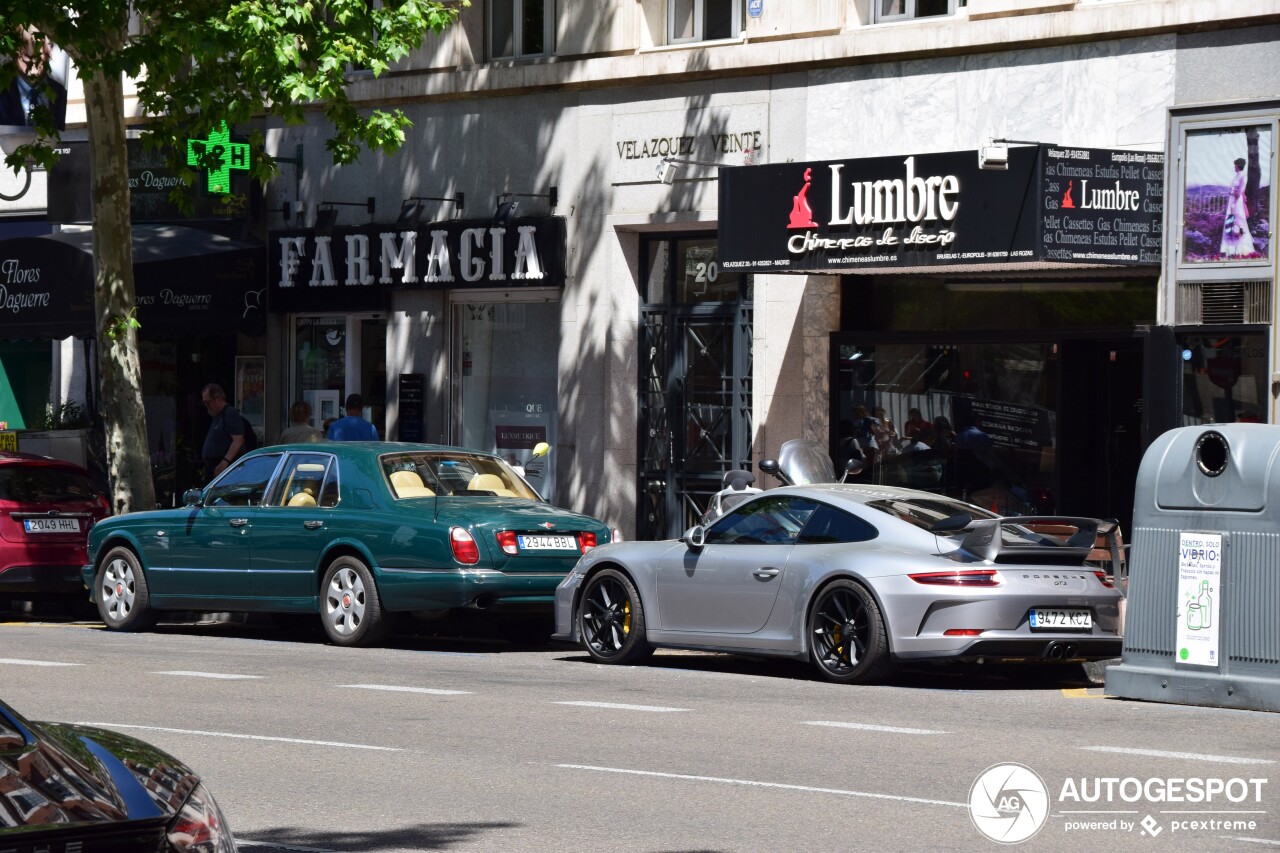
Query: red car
(46, 509)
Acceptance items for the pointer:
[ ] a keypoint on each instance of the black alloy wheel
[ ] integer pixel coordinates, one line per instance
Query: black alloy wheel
(848, 641)
(611, 619)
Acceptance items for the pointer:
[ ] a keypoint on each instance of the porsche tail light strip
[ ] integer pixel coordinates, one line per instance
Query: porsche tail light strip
(464, 546)
(1105, 579)
(965, 577)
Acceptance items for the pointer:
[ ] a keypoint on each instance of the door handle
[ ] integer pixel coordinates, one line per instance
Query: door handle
(766, 574)
(238, 522)
(313, 525)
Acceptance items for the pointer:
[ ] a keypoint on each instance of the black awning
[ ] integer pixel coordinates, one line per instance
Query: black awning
(187, 282)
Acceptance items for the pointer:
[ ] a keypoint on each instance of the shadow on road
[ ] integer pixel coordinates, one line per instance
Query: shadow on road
(424, 836)
(950, 677)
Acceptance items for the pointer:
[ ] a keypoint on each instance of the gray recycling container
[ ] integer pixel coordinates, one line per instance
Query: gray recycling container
(1203, 620)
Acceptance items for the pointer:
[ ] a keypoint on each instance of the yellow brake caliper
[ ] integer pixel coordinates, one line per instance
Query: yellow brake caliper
(626, 619)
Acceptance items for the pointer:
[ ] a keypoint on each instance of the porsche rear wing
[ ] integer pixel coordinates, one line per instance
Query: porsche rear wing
(1087, 541)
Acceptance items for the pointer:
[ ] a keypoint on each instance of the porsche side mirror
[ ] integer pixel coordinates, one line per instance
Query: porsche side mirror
(191, 497)
(852, 468)
(769, 466)
(695, 537)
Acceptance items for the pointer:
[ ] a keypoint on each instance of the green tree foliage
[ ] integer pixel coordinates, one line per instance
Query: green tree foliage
(196, 64)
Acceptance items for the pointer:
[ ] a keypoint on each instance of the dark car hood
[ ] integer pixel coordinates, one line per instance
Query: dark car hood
(74, 776)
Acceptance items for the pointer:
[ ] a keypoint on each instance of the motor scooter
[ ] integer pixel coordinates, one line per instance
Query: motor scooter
(800, 462)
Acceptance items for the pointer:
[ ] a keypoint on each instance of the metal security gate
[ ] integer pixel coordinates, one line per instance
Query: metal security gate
(695, 411)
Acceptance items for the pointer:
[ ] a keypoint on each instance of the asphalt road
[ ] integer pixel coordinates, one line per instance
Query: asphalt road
(468, 743)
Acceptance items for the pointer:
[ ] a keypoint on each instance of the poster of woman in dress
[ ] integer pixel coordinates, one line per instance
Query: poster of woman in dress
(1226, 206)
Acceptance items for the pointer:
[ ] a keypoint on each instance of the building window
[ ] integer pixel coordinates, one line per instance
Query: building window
(521, 28)
(703, 20)
(906, 10)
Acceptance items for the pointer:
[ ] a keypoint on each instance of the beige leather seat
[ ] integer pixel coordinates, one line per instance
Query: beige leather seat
(302, 499)
(490, 483)
(407, 484)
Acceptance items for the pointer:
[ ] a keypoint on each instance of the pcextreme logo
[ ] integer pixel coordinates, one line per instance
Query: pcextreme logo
(1010, 803)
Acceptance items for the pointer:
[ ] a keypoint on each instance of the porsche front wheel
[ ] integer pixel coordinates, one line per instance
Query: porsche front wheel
(848, 641)
(611, 619)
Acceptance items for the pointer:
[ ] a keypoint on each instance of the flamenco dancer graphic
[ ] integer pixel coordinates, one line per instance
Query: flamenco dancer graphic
(801, 213)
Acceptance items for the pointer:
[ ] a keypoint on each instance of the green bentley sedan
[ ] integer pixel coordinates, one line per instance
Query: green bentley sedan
(352, 531)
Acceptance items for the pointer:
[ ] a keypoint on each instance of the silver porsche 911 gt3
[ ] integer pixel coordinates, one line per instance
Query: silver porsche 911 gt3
(854, 578)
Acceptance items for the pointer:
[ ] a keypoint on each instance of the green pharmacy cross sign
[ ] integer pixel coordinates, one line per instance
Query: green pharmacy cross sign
(218, 155)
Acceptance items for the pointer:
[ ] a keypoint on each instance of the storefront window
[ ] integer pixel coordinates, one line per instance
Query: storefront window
(320, 348)
(972, 420)
(506, 355)
(1224, 378)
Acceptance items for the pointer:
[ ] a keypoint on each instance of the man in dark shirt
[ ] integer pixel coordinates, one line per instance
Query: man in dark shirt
(225, 439)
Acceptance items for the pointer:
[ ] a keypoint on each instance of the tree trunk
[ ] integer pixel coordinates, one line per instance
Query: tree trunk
(119, 372)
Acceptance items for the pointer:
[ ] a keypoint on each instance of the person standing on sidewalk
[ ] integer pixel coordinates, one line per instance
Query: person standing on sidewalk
(225, 440)
(353, 427)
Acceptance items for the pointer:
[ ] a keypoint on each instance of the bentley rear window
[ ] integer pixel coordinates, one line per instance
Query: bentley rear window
(452, 473)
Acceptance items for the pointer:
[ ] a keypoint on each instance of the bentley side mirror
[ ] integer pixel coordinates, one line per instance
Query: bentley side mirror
(695, 537)
(191, 497)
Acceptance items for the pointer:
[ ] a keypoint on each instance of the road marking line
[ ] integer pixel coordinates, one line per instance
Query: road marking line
(1082, 693)
(429, 690)
(870, 728)
(223, 675)
(753, 784)
(276, 845)
(21, 662)
(1266, 841)
(244, 737)
(656, 709)
(1184, 756)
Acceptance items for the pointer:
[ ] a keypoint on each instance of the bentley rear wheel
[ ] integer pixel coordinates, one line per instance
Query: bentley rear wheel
(350, 608)
(611, 619)
(848, 641)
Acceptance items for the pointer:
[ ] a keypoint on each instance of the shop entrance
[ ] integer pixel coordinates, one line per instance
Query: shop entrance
(695, 383)
(1018, 426)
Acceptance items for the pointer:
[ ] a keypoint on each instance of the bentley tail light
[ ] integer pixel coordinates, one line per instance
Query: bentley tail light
(965, 577)
(464, 546)
(507, 542)
(586, 540)
(1105, 579)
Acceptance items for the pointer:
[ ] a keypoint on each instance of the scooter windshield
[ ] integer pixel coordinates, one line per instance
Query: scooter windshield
(804, 462)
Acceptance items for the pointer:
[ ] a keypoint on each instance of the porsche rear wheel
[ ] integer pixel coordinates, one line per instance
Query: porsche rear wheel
(848, 641)
(350, 608)
(611, 619)
(120, 590)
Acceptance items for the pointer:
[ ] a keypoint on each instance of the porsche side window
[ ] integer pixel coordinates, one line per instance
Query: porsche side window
(767, 521)
(828, 525)
(244, 484)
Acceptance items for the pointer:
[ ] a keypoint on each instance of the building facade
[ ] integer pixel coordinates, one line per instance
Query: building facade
(542, 260)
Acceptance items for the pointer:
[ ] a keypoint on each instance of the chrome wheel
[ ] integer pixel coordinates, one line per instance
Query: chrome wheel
(848, 640)
(345, 602)
(611, 619)
(120, 591)
(351, 610)
(118, 588)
